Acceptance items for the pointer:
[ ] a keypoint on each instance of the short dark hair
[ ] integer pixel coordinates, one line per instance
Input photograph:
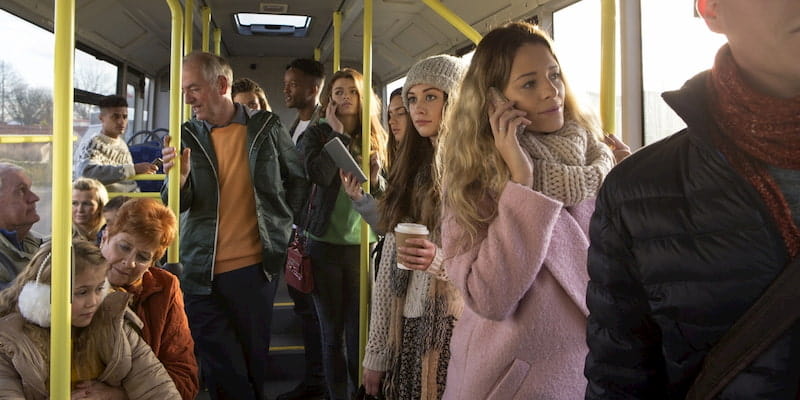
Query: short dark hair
(116, 202)
(396, 92)
(112, 101)
(310, 67)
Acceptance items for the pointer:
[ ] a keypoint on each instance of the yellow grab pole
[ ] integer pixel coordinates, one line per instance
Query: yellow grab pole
(607, 65)
(188, 44)
(366, 91)
(174, 184)
(337, 40)
(454, 20)
(218, 41)
(61, 297)
(317, 53)
(206, 14)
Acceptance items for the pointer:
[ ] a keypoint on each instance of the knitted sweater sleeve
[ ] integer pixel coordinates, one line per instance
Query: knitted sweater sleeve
(377, 355)
(368, 208)
(93, 162)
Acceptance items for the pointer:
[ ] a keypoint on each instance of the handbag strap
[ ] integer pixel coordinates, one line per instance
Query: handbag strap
(308, 210)
(763, 323)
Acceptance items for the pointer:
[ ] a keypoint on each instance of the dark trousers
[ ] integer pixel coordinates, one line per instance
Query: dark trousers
(231, 331)
(336, 293)
(312, 338)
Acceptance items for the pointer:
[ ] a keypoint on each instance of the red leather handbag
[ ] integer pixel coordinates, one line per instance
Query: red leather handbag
(298, 263)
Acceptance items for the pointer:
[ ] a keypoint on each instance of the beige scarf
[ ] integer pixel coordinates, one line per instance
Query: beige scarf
(569, 164)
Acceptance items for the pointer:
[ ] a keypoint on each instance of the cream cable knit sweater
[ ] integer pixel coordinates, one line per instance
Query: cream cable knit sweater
(378, 355)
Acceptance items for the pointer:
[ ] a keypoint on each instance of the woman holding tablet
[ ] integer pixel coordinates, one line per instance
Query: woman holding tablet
(334, 229)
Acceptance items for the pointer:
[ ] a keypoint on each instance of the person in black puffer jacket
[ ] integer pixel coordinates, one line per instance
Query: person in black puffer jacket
(689, 232)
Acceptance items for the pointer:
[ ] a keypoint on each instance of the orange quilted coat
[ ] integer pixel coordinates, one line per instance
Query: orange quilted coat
(158, 302)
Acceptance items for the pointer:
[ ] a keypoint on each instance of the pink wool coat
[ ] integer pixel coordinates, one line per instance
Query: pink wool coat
(523, 331)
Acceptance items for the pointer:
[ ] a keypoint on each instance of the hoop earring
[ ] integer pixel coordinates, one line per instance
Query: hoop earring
(34, 299)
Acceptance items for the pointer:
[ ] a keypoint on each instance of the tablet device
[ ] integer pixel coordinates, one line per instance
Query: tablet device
(335, 148)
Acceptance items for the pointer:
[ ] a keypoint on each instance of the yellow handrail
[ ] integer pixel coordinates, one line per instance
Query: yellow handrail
(8, 139)
(337, 41)
(154, 195)
(61, 298)
(148, 177)
(363, 324)
(217, 41)
(173, 194)
(188, 37)
(317, 53)
(607, 65)
(206, 14)
(454, 20)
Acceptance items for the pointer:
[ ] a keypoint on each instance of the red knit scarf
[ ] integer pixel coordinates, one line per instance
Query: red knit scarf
(756, 130)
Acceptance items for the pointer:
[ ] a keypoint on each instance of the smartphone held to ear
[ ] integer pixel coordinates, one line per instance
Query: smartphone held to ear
(498, 99)
(496, 96)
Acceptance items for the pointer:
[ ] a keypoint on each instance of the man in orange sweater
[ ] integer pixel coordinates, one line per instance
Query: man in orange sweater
(242, 182)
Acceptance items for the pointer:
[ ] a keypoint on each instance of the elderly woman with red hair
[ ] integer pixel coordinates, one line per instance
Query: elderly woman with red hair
(132, 243)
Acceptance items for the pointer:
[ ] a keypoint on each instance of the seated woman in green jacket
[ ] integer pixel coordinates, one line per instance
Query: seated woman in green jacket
(110, 360)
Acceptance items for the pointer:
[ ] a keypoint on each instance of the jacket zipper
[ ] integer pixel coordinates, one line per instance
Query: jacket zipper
(216, 178)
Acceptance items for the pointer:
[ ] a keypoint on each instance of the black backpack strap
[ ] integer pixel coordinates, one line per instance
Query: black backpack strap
(763, 323)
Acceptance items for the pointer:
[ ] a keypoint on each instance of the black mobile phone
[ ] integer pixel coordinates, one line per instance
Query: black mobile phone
(496, 96)
(158, 162)
(498, 99)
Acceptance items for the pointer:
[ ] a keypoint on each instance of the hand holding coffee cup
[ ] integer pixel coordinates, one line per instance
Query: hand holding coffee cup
(414, 250)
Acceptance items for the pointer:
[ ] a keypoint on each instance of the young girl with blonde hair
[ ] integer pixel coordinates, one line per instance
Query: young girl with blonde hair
(519, 174)
(109, 357)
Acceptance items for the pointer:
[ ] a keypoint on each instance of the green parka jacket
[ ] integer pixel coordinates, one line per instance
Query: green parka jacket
(280, 187)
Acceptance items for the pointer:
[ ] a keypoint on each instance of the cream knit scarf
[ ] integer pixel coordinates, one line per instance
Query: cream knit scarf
(569, 164)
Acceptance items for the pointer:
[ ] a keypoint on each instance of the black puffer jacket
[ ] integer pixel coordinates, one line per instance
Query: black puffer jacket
(681, 246)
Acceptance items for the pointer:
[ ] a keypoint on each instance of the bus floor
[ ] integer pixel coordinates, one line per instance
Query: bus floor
(286, 363)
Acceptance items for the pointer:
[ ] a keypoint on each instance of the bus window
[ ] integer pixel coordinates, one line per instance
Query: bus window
(26, 103)
(675, 46)
(576, 36)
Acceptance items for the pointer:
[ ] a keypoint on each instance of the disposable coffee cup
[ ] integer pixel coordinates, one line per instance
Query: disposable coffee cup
(404, 231)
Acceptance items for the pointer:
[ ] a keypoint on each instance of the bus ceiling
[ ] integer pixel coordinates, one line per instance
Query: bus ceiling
(138, 32)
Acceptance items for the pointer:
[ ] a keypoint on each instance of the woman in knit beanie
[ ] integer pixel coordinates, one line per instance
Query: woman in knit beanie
(413, 311)
(520, 170)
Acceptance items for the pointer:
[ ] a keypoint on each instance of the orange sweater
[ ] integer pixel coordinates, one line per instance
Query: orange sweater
(238, 243)
(158, 301)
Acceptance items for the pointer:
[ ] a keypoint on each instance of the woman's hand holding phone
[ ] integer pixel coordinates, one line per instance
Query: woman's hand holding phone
(506, 121)
(332, 119)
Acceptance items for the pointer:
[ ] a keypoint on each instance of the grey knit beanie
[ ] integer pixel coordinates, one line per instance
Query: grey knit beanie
(443, 72)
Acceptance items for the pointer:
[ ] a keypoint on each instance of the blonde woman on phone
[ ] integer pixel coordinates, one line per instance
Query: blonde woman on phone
(520, 170)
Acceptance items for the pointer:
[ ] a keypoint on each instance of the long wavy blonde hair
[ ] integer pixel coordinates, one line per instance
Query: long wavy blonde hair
(472, 173)
(378, 136)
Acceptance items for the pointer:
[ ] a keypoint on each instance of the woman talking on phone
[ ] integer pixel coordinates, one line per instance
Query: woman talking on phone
(520, 170)
(334, 229)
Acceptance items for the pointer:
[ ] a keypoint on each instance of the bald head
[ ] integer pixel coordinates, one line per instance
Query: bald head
(764, 39)
(17, 201)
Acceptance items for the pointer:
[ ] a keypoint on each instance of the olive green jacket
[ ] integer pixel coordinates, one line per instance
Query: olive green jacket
(280, 188)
